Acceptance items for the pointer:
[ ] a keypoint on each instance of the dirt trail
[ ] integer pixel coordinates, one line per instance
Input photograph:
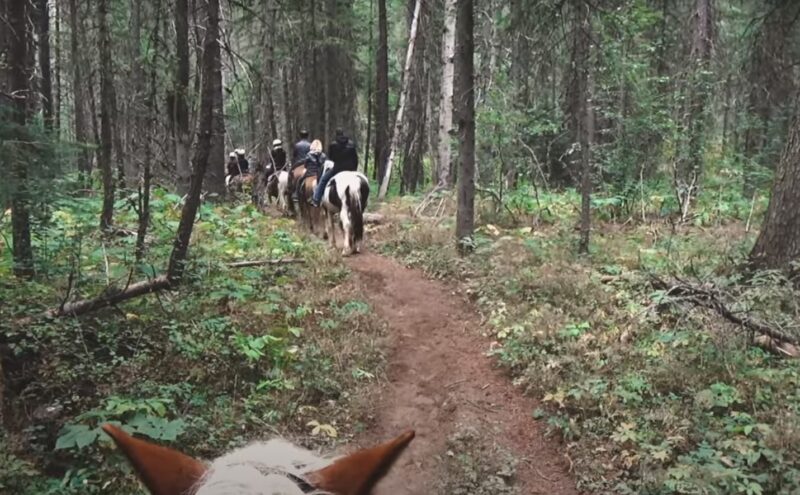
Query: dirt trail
(440, 379)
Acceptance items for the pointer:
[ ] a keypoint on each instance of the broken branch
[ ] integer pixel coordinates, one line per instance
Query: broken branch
(708, 299)
(243, 264)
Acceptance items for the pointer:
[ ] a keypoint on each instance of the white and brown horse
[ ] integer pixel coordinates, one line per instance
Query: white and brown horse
(272, 468)
(346, 195)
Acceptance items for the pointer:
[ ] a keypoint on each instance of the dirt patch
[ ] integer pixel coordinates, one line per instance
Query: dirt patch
(441, 381)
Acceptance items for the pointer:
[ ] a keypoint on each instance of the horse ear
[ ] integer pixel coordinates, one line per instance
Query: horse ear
(357, 473)
(163, 471)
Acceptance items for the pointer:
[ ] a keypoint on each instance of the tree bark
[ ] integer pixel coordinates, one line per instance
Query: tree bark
(43, 33)
(19, 72)
(58, 60)
(768, 87)
(267, 86)
(205, 140)
(398, 123)
(778, 243)
(464, 98)
(215, 173)
(586, 130)
(183, 137)
(414, 135)
(445, 175)
(79, 95)
(689, 170)
(106, 116)
(382, 95)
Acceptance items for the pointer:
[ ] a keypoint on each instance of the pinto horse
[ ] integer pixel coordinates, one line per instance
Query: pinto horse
(276, 467)
(305, 192)
(283, 192)
(346, 194)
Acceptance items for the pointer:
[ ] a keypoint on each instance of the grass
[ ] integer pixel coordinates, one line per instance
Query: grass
(648, 397)
(232, 355)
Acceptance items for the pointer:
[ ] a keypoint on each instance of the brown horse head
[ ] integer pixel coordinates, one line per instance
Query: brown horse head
(277, 466)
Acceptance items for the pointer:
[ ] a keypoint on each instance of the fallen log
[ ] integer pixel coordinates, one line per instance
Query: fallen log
(244, 264)
(708, 299)
(111, 297)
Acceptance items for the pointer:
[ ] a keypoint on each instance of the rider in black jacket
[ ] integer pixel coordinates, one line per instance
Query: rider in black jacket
(301, 149)
(344, 155)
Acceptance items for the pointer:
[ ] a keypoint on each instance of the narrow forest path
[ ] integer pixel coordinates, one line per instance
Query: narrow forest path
(440, 380)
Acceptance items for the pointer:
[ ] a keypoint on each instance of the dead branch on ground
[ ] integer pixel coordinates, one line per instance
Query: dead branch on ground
(711, 298)
(281, 261)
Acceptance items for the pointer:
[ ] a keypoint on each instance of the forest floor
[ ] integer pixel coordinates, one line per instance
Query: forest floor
(442, 385)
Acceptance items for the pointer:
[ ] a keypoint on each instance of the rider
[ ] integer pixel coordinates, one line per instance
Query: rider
(278, 155)
(345, 158)
(301, 149)
(244, 165)
(233, 168)
(315, 160)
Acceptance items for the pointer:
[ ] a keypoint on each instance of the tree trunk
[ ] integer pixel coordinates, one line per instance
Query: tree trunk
(106, 116)
(446, 98)
(768, 87)
(19, 72)
(183, 137)
(778, 244)
(689, 169)
(79, 96)
(464, 98)
(414, 135)
(382, 95)
(215, 173)
(205, 140)
(43, 32)
(586, 130)
(398, 123)
(267, 86)
(57, 96)
(370, 93)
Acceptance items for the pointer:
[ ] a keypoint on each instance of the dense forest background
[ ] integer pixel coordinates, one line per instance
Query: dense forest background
(684, 93)
(659, 137)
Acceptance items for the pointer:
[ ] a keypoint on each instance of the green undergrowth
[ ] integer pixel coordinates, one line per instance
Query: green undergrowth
(232, 355)
(648, 396)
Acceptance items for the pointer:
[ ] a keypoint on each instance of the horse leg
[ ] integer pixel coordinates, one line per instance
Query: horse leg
(327, 217)
(346, 230)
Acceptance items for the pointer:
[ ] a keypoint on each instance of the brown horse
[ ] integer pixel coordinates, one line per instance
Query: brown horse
(276, 467)
(239, 184)
(305, 193)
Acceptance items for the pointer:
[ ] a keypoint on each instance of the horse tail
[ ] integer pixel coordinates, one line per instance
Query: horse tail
(353, 200)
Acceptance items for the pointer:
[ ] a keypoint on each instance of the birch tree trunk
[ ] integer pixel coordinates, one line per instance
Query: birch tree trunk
(398, 123)
(446, 98)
